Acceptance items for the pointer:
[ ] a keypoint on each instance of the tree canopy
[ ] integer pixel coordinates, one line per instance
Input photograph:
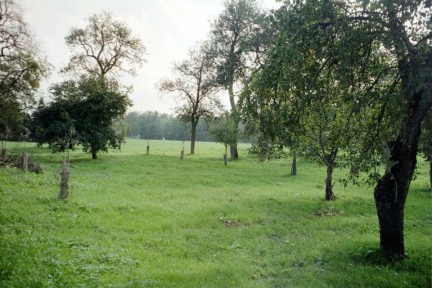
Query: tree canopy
(104, 48)
(235, 48)
(83, 112)
(378, 56)
(194, 86)
(21, 68)
(87, 110)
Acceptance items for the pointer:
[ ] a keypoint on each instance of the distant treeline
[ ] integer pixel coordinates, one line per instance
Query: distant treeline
(155, 125)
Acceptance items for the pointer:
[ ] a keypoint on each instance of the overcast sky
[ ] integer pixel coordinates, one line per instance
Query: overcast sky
(168, 29)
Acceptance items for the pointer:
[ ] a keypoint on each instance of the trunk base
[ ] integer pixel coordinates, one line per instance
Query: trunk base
(390, 202)
(294, 166)
(234, 152)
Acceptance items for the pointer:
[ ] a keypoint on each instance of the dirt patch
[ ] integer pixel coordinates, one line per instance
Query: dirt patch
(233, 224)
(320, 213)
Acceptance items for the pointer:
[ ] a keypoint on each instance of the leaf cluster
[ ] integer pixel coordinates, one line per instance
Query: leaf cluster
(21, 68)
(331, 79)
(83, 112)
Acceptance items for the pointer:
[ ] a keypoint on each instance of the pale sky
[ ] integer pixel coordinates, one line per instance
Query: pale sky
(168, 29)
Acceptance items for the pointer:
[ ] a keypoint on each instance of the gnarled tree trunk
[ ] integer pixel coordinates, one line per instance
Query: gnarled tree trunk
(392, 189)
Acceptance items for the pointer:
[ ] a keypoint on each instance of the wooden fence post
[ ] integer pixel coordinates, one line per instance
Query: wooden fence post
(64, 185)
(25, 161)
(4, 154)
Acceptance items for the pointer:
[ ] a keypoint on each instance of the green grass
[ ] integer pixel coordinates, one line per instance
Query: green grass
(134, 220)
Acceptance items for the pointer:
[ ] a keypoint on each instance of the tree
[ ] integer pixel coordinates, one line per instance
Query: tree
(53, 125)
(83, 112)
(325, 135)
(104, 48)
(94, 103)
(380, 53)
(21, 68)
(224, 130)
(195, 89)
(312, 123)
(233, 38)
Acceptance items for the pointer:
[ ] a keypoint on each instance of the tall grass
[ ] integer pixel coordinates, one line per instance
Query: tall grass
(134, 220)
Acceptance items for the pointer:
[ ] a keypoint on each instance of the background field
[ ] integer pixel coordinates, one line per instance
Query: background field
(134, 220)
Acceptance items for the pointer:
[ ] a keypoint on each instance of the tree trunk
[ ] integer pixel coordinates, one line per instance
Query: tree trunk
(294, 165)
(94, 154)
(193, 137)
(392, 189)
(64, 185)
(4, 154)
(225, 156)
(148, 150)
(234, 151)
(233, 147)
(329, 196)
(181, 154)
(25, 161)
(390, 202)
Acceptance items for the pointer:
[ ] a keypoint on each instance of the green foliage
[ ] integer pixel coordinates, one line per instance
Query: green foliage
(326, 57)
(233, 36)
(236, 48)
(53, 125)
(224, 130)
(83, 112)
(370, 63)
(154, 221)
(21, 70)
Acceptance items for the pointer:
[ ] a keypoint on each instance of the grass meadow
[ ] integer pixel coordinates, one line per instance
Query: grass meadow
(137, 220)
